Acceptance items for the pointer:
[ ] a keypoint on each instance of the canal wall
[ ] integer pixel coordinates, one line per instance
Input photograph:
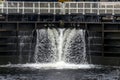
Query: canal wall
(102, 35)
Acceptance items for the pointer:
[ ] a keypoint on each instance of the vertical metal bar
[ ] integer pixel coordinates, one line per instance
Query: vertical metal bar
(98, 8)
(91, 7)
(23, 8)
(38, 7)
(105, 8)
(48, 7)
(113, 9)
(33, 7)
(77, 8)
(2, 6)
(54, 9)
(69, 8)
(7, 7)
(18, 8)
(83, 8)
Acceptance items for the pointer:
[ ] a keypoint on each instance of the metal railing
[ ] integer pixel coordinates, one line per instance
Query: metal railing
(92, 7)
(30, 7)
(60, 8)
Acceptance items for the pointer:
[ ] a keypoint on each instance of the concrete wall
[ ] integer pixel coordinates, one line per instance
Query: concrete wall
(102, 35)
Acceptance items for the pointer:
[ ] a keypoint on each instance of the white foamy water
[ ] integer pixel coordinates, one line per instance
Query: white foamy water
(75, 46)
(60, 45)
(46, 50)
(58, 49)
(58, 65)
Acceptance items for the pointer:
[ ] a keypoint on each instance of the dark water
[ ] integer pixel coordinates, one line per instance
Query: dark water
(105, 73)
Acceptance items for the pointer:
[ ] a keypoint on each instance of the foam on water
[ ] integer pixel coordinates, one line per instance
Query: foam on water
(58, 65)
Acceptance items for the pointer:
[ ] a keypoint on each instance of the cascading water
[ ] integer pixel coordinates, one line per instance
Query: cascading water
(75, 46)
(57, 48)
(25, 44)
(45, 50)
(60, 47)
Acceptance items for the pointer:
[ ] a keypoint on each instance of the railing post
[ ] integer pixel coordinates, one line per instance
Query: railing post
(69, 8)
(7, 7)
(113, 10)
(2, 6)
(91, 7)
(77, 8)
(64, 8)
(98, 8)
(23, 8)
(54, 9)
(105, 8)
(83, 8)
(18, 7)
(38, 7)
(48, 7)
(33, 7)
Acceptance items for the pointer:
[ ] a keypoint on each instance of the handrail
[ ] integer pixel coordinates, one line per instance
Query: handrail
(60, 8)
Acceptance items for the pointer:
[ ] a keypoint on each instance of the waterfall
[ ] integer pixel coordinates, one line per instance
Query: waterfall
(60, 46)
(25, 45)
(54, 48)
(45, 50)
(75, 46)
